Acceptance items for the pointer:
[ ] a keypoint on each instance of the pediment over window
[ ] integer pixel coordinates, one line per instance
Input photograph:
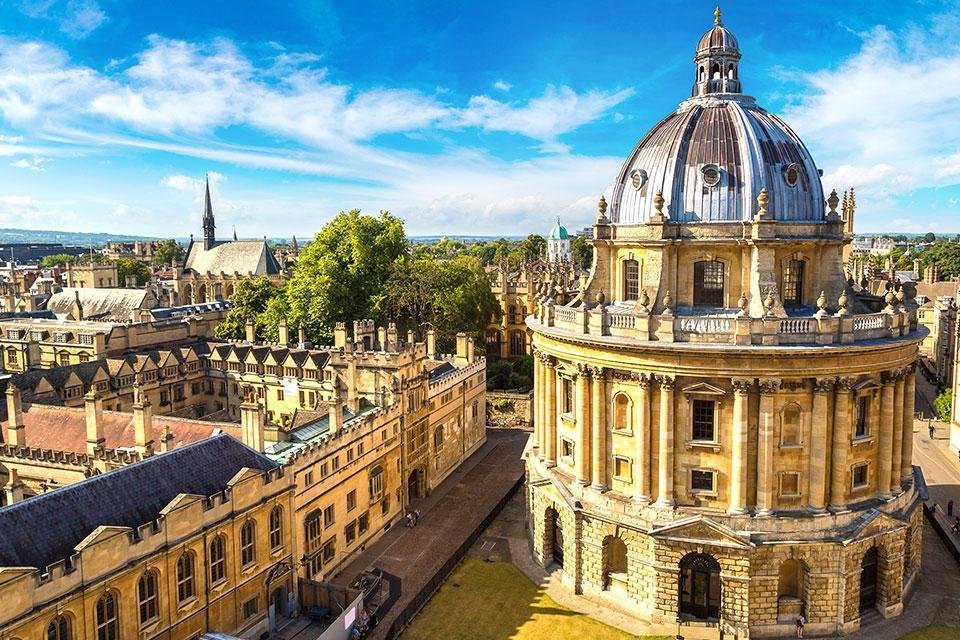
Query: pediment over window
(871, 524)
(702, 388)
(702, 530)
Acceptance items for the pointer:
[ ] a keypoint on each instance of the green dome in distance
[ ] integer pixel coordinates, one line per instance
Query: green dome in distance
(559, 232)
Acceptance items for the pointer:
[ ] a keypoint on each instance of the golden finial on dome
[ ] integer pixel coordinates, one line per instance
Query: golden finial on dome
(716, 16)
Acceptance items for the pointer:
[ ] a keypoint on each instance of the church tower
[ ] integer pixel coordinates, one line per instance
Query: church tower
(209, 226)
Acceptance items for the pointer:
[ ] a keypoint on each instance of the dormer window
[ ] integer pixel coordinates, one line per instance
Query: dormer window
(711, 175)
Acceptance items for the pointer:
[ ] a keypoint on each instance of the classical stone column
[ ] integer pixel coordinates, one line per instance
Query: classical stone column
(738, 446)
(665, 462)
(550, 413)
(897, 433)
(822, 388)
(583, 425)
(641, 440)
(906, 454)
(537, 401)
(841, 437)
(598, 428)
(765, 475)
(885, 437)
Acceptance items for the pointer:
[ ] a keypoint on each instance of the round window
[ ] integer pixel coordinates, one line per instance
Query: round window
(711, 175)
(638, 177)
(791, 174)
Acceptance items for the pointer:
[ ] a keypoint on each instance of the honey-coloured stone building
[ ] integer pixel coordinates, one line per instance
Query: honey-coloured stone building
(723, 426)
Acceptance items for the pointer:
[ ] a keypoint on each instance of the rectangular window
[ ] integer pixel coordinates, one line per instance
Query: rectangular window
(790, 485)
(336, 462)
(352, 500)
(360, 449)
(567, 395)
(793, 283)
(621, 468)
(323, 470)
(703, 419)
(250, 608)
(328, 516)
(64, 359)
(308, 478)
(701, 480)
(566, 448)
(863, 416)
(376, 485)
(349, 455)
(708, 283)
(329, 550)
(86, 338)
(13, 334)
(12, 356)
(363, 522)
(279, 394)
(350, 532)
(631, 278)
(860, 476)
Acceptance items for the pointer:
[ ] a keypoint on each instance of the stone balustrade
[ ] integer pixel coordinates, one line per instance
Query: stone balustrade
(819, 329)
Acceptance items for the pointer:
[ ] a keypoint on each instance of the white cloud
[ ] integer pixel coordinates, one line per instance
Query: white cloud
(25, 211)
(82, 18)
(500, 85)
(192, 184)
(34, 164)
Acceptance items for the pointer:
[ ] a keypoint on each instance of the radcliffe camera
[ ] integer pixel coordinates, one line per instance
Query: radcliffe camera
(476, 321)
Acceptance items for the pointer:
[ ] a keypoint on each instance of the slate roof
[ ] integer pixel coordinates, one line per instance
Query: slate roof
(933, 290)
(65, 429)
(113, 305)
(236, 256)
(45, 529)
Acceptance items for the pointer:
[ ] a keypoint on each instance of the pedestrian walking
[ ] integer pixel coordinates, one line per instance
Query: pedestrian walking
(933, 431)
(950, 508)
(800, 622)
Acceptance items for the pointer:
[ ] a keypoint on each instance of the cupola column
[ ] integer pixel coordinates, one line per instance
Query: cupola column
(665, 453)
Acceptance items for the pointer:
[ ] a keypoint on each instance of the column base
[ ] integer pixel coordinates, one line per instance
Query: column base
(641, 499)
(838, 508)
(583, 483)
(736, 511)
(549, 464)
(598, 487)
(885, 495)
(817, 511)
(663, 503)
(763, 513)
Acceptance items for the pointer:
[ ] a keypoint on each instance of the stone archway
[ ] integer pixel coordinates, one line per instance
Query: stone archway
(791, 590)
(699, 591)
(614, 565)
(869, 569)
(552, 538)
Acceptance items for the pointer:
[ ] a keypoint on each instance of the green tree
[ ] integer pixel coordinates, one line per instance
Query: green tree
(250, 301)
(341, 275)
(929, 236)
(582, 251)
(533, 247)
(58, 260)
(130, 267)
(168, 251)
(944, 404)
(451, 296)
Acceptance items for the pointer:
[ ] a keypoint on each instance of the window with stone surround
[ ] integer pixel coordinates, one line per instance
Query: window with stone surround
(621, 468)
(567, 388)
(704, 420)
(793, 283)
(631, 280)
(708, 283)
(861, 475)
(790, 484)
(702, 481)
(863, 417)
(621, 412)
(567, 448)
(790, 424)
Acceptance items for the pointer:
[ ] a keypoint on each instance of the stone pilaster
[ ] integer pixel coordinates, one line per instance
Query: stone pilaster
(906, 454)
(738, 445)
(897, 433)
(598, 428)
(822, 388)
(537, 400)
(665, 461)
(550, 413)
(885, 437)
(582, 409)
(840, 445)
(641, 440)
(765, 443)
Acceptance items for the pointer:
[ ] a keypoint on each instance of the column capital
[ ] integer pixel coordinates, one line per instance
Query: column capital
(824, 385)
(742, 386)
(667, 382)
(889, 377)
(769, 386)
(643, 380)
(845, 385)
(584, 370)
(597, 373)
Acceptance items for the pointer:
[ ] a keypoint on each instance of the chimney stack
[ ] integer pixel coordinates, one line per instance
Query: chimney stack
(93, 406)
(251, 332)
(15, 429)
(301, 336)
(14, 487)
(462, 348)
(142, 423)
(431, 344)
(340, 335)
(251, 423)
(335, 413)
(283, 333)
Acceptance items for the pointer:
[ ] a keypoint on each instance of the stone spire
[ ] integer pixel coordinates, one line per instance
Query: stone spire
(209, 226)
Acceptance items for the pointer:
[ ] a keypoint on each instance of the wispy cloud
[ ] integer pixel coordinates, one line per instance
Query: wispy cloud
(76, 18)
(501, 85)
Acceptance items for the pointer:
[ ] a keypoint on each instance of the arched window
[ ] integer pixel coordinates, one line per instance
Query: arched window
(517, 344)
(621, 412)
(312, 530)
(631, 280)
(185, 588)
(793, 283)
(731, 72)
(791, 579)
(218, 560)
(59, 629)
(276, 528)
(376, 483)
(512, 314)
(701, 74)
(708, 283)
(148, 598)
(105, 614)
(790, 424)
(715, 71)
(248, 543)
(614, 553)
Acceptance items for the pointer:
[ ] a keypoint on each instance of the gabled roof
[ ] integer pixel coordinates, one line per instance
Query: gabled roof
(237, 256)
(111, 305)
(45, 529)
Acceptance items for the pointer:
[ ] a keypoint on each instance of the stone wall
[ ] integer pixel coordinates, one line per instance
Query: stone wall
(518, 414)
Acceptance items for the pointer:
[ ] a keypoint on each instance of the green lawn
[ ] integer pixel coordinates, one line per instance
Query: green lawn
(496, 601)
(934, 632)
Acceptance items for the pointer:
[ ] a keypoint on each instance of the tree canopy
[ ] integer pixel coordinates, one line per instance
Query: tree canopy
(168, 251)
(250, 301)
(130, 267)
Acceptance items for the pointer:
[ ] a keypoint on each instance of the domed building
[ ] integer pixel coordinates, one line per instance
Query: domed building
(724, 418)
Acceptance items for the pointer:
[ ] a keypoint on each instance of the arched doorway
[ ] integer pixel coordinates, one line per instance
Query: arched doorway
(791, 590)
(554, 536)
(414, 484)
(614, 565)
(700, 586)
(868, 580)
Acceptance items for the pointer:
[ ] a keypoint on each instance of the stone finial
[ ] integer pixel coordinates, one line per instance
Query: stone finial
(762, 200)
(901, 295)
(822, 301)
(769, 301)
(658, 204)
(832, 203)
(601, 298)
(842, 303)
(602, 209)
(644, 300)
(667, 301)
(742, 304)
(890, 298)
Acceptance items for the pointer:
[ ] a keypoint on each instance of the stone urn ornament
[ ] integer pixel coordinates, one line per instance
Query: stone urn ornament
(842, 303)
(742, 304)
(667, 302)
(644, 301)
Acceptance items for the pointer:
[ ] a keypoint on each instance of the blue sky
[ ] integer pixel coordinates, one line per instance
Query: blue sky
(488, 118)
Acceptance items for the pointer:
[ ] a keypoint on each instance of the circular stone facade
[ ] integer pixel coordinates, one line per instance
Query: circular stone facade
(724, 420)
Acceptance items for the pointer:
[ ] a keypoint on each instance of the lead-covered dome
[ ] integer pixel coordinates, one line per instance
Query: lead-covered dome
(714, 154)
